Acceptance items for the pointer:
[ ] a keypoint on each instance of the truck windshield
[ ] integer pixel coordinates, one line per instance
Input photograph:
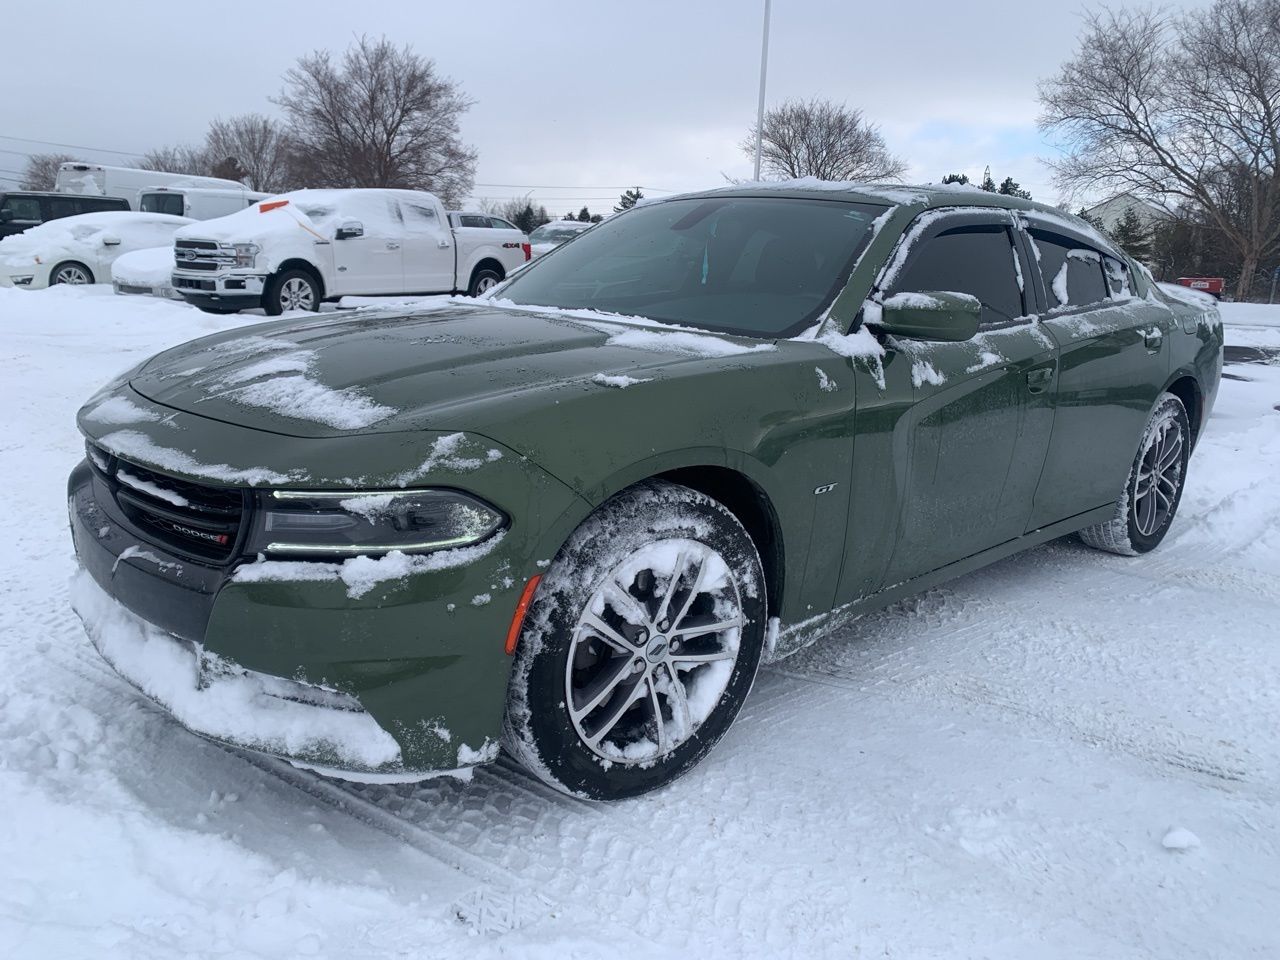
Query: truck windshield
(171, 203)
(753, 266)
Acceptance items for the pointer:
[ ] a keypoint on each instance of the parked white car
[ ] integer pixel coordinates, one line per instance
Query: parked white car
(550, 235)
(198, 203)
(147, 271)
(80, 249)
(298, 249)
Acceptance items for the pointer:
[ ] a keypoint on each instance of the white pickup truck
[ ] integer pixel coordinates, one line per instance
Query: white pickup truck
(293, 251)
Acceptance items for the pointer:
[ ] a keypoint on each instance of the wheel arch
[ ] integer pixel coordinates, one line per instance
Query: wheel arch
(72, 262)
(1186, 388)
(483, 263)
(297, 263)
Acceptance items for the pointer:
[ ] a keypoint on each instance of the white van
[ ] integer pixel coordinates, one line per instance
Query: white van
(197, 203)
(99, 181)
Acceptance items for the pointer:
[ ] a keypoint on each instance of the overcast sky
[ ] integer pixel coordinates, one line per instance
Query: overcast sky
(588, 96)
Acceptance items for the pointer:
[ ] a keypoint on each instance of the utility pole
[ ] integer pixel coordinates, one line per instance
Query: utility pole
(764, 69)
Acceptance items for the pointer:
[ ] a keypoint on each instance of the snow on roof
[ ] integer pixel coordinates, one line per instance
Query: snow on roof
(69, 235)
(318, 211)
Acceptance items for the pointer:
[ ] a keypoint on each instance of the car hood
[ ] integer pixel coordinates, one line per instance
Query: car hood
(456, 367)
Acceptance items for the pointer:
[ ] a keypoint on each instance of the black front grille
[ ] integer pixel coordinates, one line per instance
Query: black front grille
(186, 283)
(182, 264)
(188, 518)
(195, 244)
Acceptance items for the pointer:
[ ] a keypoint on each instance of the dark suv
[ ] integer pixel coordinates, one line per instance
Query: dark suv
(22, 210)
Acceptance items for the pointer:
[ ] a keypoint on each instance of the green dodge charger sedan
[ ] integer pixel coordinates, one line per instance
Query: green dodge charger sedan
(574, 518)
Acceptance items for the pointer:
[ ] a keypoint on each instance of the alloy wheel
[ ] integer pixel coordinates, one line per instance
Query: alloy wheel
(487, 282)
(1158, 477)
(653, 651)
(70, 274)
(297, 294)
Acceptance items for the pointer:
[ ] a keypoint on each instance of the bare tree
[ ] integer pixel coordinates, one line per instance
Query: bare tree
(1184, 109)
(177, 159)
(823, 139)
(380, 118)
(258, 145)
(41, 170)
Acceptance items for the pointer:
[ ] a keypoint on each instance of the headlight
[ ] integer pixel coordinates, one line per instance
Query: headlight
(246, 254)
(370, 522)
(23, 281)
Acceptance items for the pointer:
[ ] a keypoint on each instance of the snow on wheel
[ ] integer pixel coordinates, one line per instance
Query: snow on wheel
(641, 645)
(291, 290)
(1154, 488)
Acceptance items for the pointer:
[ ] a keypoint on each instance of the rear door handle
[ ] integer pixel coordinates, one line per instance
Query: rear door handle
(1040, 379)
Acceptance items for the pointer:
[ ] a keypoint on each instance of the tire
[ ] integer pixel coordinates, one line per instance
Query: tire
(576, 645)
(1147, 507)
(483, 279)
(71, 272)
(291, 290)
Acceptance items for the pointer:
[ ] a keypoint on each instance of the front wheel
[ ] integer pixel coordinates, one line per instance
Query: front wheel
(640, 647)
(70, 272)
(1154, 488)
(291, 290)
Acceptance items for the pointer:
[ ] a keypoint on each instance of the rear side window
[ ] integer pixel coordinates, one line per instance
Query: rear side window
(500, 224)
(100, 204)
(1072, 271)
(59, 207)
(977, 260)
(171, 203)
(22, 208)
(469, 220)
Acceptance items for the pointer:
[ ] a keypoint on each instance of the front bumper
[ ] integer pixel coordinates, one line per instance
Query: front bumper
(421, 656)
(239, 290)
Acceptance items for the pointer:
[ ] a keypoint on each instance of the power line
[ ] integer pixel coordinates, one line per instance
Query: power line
(70, 146)
(549, 186)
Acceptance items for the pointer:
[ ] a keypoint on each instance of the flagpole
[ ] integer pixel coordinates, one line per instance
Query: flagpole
(764, 69)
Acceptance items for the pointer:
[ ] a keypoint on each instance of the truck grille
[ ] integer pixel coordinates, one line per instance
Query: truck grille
(190, 519)
(201, 255)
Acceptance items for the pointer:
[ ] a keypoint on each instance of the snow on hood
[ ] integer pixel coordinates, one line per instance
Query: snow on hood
(79, 235)
(144, 268)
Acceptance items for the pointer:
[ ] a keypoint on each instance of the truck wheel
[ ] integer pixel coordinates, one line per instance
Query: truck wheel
(291, 290)
(640, 646)
(485, 278)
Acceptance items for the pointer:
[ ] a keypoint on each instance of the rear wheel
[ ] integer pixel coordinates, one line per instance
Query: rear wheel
(291, 290)
(485, 278)
(641, 645)
(1154, 488)
(70, 272)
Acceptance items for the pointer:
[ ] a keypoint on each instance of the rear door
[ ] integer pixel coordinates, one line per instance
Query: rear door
(428, 247)
(979, 426)
(1114, 358)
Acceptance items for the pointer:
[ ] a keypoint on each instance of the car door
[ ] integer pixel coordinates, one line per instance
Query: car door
(979, 424)
(1114, 357)
(428, 248)
(370, 261)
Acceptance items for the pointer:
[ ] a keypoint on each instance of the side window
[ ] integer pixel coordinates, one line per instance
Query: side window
(471, 220)
(419, 217)
(59, 207)
(1073, 274)
(22, 208)
(977, 260)
(499, 224)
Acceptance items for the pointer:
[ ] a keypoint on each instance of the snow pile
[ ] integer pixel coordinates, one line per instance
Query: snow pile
(140, 448)
(303, 398)
(620, 381)
(924, 372)
(687, 343)
(118, 410)
(225, 704)
(80, 237)
(455, 452)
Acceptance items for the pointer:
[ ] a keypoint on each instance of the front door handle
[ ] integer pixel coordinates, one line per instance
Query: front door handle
(392, 245)
(1040, 379)
(1153, 338)
(443, 244)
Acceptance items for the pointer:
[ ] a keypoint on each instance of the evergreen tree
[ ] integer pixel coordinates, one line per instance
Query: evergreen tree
(628, 200)
(988, 184)
(1133, 236)
(584, 215)
(1011, 188)
(961, 178)
(1090, 219)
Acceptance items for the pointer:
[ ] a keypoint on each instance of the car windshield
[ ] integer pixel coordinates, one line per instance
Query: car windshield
(754, 266)
(549, 232)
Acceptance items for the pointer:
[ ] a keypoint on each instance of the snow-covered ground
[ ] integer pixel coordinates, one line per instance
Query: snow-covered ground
(1066, 755)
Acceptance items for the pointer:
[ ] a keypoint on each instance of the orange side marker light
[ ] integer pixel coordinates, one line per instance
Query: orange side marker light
(517, 622)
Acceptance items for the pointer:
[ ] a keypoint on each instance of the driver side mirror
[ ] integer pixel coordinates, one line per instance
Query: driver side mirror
(349, 230)
(940, 315)
(109, 240)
